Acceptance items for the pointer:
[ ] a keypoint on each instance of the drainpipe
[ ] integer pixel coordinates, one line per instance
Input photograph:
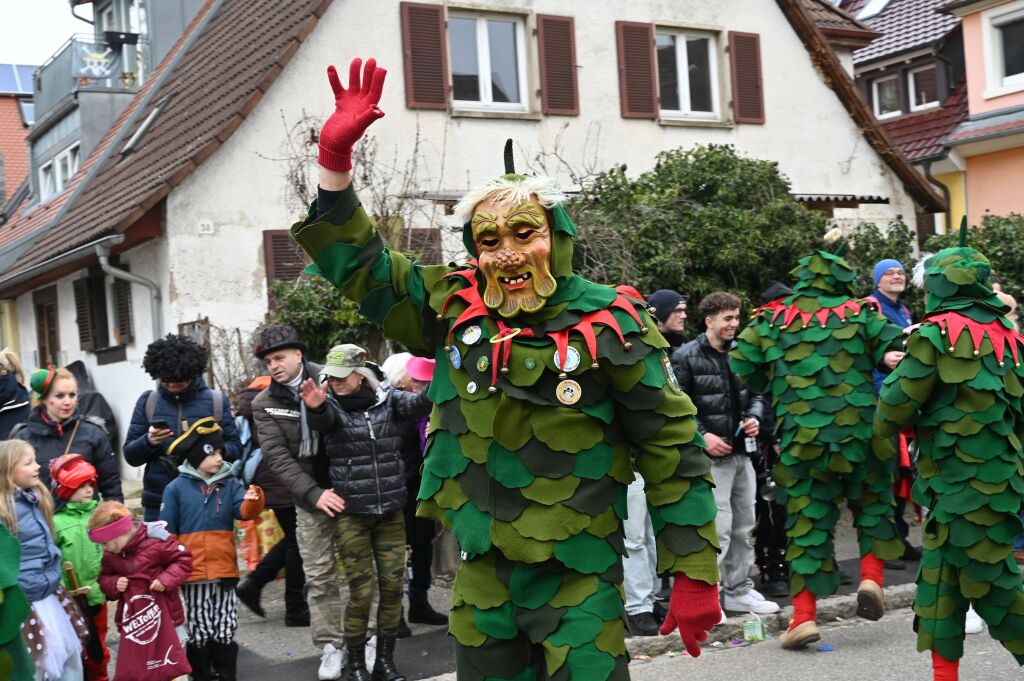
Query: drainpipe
(945, 194)
(103, 253)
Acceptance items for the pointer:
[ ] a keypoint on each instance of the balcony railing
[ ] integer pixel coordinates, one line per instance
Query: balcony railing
(111, 61)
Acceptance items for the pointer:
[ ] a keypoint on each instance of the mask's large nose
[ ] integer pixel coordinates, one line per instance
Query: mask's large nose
(508, 260)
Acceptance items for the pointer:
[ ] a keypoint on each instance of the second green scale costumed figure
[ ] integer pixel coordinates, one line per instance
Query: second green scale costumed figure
(961, 385)
(813, 352)
(545, 383)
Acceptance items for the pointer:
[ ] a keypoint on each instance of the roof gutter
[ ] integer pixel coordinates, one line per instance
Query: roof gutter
(155, 313)
(59, 260)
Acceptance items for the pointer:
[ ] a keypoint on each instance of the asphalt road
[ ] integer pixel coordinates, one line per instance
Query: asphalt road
(861, 651)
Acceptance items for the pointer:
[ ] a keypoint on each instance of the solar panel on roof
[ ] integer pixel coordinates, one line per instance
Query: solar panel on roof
(8, 82)
(25, 76)
(16, 78)
(28, 111)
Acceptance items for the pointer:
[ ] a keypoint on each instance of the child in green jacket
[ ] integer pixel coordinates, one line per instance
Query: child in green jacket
(74, 483)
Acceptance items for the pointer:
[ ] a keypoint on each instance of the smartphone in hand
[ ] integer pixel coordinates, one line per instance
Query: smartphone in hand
(160, 425)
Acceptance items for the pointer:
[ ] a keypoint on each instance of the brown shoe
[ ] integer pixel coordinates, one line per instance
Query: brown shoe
(870, 600)
(800, 636)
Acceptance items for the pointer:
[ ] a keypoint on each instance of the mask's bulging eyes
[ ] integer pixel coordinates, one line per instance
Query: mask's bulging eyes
(488, 242)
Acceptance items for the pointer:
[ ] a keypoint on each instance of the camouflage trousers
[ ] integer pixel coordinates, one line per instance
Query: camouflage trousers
(515, 621)
(372, 551)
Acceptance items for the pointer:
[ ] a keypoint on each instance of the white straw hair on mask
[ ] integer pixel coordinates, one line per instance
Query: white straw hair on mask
(507, 190)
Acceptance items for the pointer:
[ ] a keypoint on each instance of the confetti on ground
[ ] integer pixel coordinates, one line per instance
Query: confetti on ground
(645, 658)
(716, 644)
(671, 653)
(825, 649)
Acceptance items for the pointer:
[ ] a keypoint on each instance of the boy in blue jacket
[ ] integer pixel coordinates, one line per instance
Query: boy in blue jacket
(200, 507)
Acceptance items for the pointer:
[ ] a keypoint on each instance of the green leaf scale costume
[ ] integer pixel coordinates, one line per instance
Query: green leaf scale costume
(813, 352)
(960, 384)
(15, 663)
(527, 460)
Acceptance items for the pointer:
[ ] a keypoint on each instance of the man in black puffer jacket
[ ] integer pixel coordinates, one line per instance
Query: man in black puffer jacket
(728, 414)
(361, 423)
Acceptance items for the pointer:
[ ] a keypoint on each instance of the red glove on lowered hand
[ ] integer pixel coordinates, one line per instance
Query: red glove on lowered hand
(354, 110)
(694, 609)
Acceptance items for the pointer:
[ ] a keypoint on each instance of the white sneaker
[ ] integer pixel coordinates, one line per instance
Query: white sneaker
(330, 663)
(974, 624)
(750, 601)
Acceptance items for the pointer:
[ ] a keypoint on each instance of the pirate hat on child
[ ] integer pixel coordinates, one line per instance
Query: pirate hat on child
(201, 440)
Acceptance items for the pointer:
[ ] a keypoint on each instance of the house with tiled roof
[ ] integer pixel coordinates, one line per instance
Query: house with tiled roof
(913, 78)
(16, 115)
(990, 138)
(176, 216)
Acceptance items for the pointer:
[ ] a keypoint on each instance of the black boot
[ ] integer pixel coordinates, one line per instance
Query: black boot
(225, 660)
(248, 592)
(403, 627)
(355, 668)
(420, 612)
(298, 618)
(384, 667)
(199, 658)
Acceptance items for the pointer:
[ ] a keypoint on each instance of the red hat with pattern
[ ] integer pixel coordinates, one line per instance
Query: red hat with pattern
(68, 472)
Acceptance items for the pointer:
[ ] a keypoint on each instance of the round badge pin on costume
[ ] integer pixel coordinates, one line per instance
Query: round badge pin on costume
(527, 466)
(961, 383)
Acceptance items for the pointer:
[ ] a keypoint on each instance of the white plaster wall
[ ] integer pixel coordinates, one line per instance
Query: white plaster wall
(242, 193)
(121, 383)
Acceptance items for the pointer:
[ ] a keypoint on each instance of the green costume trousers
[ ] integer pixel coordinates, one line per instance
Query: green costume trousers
(811, 491)
(949, 580)
(372, 549)
(532, 622)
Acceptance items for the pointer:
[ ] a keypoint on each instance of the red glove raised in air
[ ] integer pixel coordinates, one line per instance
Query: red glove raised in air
(354, 110)
(694, 609)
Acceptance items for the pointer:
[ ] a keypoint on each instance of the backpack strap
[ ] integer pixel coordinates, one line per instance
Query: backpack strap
(218, 405)
(151, 402)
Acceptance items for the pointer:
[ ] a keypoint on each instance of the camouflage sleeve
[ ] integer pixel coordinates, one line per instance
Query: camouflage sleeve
(748, 359)
(658, 419)
(908, 386)
(391, 290)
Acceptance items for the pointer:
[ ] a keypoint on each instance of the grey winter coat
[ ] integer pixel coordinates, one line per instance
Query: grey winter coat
(39, 575)
(365, 449)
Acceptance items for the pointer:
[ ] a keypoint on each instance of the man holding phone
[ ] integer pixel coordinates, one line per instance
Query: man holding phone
(181, 398)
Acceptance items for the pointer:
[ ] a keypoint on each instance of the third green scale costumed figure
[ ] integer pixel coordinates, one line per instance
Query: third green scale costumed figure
(813, 352)
(544, 385)
(961, 385)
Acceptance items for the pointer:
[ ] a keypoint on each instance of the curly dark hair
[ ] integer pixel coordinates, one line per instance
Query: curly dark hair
(175, 358)
(716, 302)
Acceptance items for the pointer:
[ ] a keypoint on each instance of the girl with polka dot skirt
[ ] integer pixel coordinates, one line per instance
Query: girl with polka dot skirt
(55, 628)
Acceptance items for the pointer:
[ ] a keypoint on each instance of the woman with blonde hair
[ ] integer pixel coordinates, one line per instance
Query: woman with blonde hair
(54, 628)
(15, 404)
(55, 428)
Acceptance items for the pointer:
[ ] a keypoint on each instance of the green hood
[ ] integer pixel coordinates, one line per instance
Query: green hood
(191, 471)
(824, 274)
(957, 279)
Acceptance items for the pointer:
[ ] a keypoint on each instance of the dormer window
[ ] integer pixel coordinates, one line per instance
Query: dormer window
(885, 93)
(923, 88)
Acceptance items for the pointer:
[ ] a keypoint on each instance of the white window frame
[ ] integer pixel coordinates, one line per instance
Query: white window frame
(483, 55)
(683, 67)
(912, 88)
(875, 99)
(992, 47)
(60, 169)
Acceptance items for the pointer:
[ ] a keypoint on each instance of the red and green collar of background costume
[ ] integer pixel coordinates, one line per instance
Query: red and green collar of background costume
(827, 279)
(577, 306)
(959, 298)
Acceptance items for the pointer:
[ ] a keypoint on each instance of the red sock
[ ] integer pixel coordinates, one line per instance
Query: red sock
(873, 568)
(805, 608)
(943, 669)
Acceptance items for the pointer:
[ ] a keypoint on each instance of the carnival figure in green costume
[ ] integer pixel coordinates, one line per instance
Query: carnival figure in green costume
(544, 385)
(15, 663)
(813, 351)
(961, 385)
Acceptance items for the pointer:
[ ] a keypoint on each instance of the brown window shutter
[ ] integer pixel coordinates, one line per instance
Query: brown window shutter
(425, 56)
(284, 258)
(124, 326)
(424, 243)
(747, 85)
(637, 92)
(556, 42)
(83, 316)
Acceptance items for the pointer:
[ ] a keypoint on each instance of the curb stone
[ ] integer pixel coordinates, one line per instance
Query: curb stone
(829, 609)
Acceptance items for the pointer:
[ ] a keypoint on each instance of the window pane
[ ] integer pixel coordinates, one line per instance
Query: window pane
(1013, 47)
(887, 96)
(698, 55)
(668, 78)
(465, 65)
(501, 35)
(925, 87)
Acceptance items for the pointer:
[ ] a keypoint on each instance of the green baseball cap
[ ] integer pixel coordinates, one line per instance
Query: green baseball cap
(342, 360)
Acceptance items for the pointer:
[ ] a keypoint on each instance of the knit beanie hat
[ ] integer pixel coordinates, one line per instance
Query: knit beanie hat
(201, 440)
(41, 380)
(883, 265)
(664, 301)
(68, 472)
